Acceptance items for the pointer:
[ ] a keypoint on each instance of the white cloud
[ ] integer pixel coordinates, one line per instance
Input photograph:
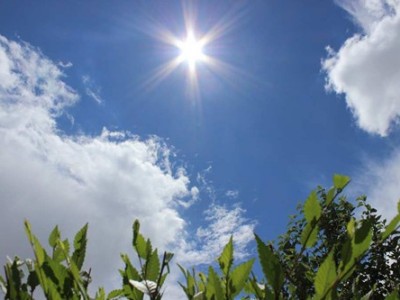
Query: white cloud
(210, 240)
(379, 181)
(366, 69)
(107, 180)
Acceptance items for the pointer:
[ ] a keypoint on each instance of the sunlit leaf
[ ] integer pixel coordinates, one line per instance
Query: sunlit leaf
(340, 181)
(226, 259)
(326, 275)
(239, 275)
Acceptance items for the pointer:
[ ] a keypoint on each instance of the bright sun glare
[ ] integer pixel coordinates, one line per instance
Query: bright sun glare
(191, 50)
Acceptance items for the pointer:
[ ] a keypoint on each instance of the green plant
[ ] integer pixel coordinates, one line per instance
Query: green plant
(329, 253)
(332, 249)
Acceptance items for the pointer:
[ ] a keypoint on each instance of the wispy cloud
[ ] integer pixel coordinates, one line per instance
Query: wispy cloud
(222, 223)
(232, 194)
(107, 180)
(91, 89)
(366, 68)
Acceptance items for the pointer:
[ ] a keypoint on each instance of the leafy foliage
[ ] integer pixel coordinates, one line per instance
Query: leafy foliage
(332, 249)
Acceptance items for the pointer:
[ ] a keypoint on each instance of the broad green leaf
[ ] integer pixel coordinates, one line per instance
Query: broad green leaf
(393, 225)
(312, 208)
(326, 275)
(270, 264)
(153, 266)
(226, 259)
(239, 276)
(141, 246)
(54, 236)
(80, 242)
(215, 282)
(340, 181)
(61, 253)
(309, 235)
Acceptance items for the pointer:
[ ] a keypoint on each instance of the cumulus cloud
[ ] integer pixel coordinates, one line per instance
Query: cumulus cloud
(366, 69)
(107, 180)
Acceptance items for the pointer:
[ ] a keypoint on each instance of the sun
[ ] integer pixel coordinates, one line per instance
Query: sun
(191, 51)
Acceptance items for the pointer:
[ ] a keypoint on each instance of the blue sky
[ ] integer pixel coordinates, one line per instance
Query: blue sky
(302, 92)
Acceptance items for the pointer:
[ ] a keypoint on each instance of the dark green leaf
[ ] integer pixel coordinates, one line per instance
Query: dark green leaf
(270, 264)
(80, 242)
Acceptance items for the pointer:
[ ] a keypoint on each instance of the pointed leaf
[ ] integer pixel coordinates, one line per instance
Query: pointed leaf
(215, 282)
(80, 242)
(270, 264)
(239, 276)
(141, 246)
(153, 266)
(54, 236)
(226, 259)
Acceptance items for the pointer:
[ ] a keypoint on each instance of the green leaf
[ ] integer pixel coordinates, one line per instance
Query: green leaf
(141, 246)
(312, 208)
(214, 286)
(80, 242)
(309, 235)
(270, 264)
(326, 275)
(153, 266)
(130, 270)
(115, 294)
(226, 259)
(393, 225)
(239, 276)
(362, 239)
(54, 236)
(340, 181)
